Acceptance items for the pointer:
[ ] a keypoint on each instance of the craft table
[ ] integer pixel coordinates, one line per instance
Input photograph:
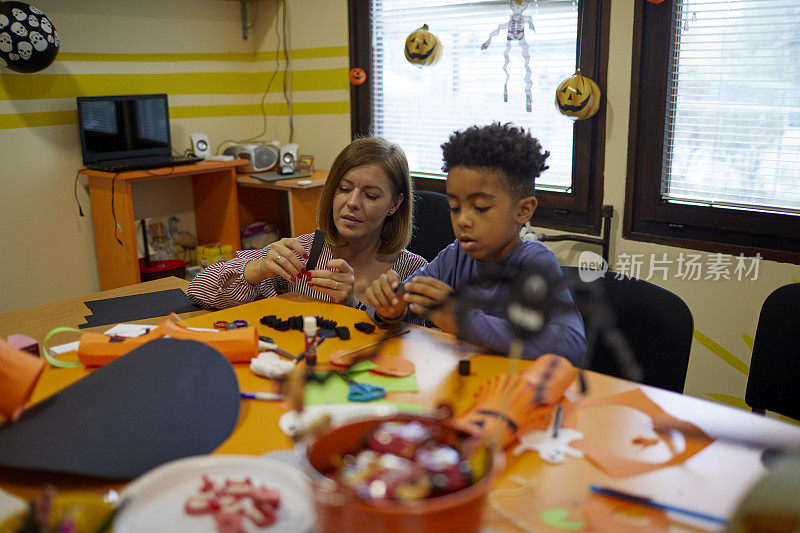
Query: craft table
(713, 481)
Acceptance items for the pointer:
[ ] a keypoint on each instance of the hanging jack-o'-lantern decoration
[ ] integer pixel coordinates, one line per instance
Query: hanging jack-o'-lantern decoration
(422, 47)
(578, 97)
(357, 76)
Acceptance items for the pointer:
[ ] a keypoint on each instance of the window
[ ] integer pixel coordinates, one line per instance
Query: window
(419, 107)
(715, 126)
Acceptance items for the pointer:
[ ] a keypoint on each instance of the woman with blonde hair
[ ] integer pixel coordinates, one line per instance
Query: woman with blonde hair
(365, 208)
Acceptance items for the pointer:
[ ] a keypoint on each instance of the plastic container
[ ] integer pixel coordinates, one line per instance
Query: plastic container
(339, 509)
(162, 269)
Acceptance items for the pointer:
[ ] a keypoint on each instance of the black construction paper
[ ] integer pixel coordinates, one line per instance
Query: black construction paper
(137, 306)
(165, 400)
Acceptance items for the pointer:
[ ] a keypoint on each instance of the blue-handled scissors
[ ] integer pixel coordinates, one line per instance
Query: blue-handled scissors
(362, 392)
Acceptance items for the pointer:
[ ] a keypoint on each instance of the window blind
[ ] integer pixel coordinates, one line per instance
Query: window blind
(419, 107)
(733, 105)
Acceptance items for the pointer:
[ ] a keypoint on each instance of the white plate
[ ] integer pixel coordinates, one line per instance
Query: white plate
(157, 497)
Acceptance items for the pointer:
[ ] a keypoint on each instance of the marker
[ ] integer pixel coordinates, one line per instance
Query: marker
(651, 503)
(269, 396)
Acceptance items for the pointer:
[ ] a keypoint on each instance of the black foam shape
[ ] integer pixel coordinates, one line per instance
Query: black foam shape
(165, 400)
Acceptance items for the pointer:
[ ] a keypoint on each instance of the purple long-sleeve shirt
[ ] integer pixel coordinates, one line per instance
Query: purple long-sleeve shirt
(563, 333)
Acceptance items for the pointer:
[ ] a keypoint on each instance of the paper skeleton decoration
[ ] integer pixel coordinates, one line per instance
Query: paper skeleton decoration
(516, 32)
(551, 447)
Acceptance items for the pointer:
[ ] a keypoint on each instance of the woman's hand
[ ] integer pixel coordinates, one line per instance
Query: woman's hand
(380, 295)
(430, 298)
(337, 281)
(283, 259)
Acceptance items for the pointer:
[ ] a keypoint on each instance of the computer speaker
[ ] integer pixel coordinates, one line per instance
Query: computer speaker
(200, 145)
(288, 160)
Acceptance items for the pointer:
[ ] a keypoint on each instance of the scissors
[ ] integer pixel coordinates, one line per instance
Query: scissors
(362, 392)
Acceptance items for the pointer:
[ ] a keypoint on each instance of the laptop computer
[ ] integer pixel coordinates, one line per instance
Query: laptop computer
(126, 132)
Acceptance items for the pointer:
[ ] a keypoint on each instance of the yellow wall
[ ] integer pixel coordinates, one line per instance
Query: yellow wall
(191, 49)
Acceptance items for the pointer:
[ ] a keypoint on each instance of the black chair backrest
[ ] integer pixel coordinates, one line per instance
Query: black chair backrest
(775, 367)
(432, 228)
(657, 324)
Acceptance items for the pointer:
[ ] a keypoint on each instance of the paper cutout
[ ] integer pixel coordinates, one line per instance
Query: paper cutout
(611, 515)
(550, 449)
(19, 372)
(137, 306)
(615, 465)
(293, 422)
(116, 421)
(515, 32)
(58, 363)
(560, 518)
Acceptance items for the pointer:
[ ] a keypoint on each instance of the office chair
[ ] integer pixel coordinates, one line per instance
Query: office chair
(657, 324)
(432, 228)
(775, 367)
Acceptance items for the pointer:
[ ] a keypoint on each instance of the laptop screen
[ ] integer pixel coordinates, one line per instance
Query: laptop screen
(120, 127)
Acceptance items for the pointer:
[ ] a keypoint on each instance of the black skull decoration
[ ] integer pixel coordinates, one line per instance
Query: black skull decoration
(28, 40)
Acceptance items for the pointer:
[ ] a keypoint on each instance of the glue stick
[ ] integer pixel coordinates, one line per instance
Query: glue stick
(310, 330)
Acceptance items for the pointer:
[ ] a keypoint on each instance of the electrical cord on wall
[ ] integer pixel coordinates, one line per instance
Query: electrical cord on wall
(80, 209)
(287, 71)
(263, 132)
(114, 211)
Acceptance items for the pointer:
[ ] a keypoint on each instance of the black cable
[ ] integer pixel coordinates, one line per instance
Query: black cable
(113, 211)
(263, 99)
(286, 75)
(255, 16)
(80, 210)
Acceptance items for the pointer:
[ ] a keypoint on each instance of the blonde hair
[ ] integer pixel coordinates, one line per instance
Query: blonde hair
(398, 226)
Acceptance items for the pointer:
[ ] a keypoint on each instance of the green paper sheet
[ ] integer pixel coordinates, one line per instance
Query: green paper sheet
(335, 390)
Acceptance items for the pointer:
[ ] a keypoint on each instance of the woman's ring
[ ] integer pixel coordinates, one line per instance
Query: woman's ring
(335, 285)
(277, 257)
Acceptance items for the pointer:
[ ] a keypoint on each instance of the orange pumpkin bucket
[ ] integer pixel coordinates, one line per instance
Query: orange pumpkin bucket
(338, 508)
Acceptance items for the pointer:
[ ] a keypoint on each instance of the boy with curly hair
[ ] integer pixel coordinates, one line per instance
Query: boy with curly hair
(490, 189)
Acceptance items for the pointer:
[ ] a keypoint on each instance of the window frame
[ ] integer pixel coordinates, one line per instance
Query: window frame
(576, 211)
(647, 216)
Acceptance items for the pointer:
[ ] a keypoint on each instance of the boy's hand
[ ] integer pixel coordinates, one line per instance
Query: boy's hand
(382, 297)
(430, 298)
(337, 281)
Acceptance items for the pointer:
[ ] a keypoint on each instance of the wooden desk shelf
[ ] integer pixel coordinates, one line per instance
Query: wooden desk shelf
(223, 202)
(215, 205)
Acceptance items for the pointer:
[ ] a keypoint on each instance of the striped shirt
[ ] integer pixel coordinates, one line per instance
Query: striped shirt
(208, 289)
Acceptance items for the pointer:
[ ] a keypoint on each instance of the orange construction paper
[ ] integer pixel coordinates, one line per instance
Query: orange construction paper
(388, 365)
(237, 345)
(617, 466)
(19, 372)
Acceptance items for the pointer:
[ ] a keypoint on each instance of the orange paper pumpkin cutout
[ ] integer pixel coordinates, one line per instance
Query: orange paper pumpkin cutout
(19, 372)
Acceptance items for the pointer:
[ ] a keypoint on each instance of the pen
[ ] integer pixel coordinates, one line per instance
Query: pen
(647, 501)
(558, 421)
(269, 396)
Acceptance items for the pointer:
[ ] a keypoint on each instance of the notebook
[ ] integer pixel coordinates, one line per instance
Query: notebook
(126, 132)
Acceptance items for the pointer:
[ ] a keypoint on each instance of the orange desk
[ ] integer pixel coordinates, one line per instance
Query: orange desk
(215, 205)
(712, 482)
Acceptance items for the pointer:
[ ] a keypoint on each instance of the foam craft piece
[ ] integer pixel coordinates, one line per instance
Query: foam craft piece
(19, 372)
(165, 400)
(237, 345)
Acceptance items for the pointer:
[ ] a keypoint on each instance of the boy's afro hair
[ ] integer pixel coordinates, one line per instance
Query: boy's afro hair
(498, 147)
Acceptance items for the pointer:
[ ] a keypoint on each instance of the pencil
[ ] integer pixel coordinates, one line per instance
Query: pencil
(651, 503)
